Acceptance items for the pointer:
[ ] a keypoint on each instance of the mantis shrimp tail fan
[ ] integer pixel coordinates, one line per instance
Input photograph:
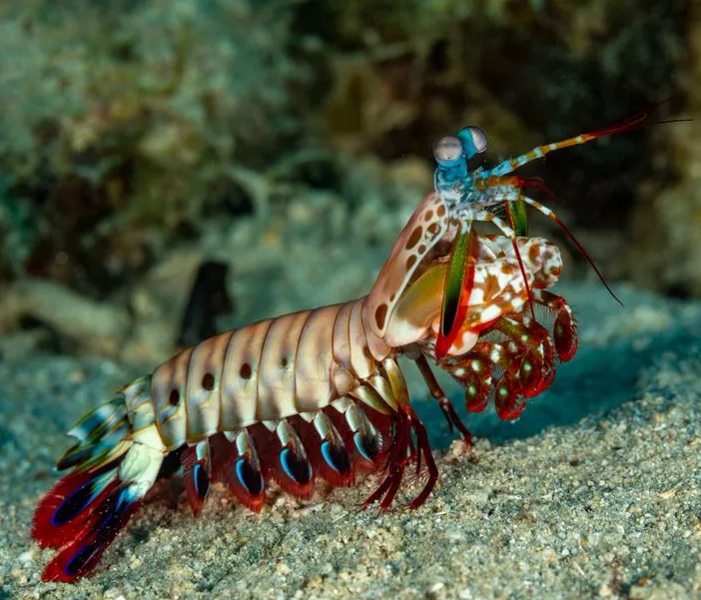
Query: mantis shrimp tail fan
(87, 508)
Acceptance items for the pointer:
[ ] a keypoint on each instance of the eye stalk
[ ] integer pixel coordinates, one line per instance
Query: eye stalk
(452, 152)
(448, 151)
(473, 139)
(451, 149)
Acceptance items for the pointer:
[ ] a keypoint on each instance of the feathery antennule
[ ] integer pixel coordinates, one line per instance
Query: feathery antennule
(536, 183)
(637, 121)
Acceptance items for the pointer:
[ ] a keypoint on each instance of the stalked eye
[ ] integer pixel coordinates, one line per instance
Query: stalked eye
(478, 137)
(473, 139)
(448, 150)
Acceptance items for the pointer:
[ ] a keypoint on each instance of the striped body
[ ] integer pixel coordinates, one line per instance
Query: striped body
(300, 363)
(270, 370)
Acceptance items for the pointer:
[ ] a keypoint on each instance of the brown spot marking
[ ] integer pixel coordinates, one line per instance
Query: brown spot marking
(283, 362)
(410, 262)
(428, 216)
(533, 253)
(208, 382)
(422, 249)
(246, 371)
(381, 315)
(440, 211)
(414, 238)
(491, 286)
(174, 398)
(433, 229)
(392, 297)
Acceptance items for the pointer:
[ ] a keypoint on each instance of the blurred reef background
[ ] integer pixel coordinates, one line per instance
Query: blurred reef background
(286, 143)
(173, 168)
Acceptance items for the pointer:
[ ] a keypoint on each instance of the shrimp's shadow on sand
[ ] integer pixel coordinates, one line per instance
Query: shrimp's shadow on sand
(598, 380)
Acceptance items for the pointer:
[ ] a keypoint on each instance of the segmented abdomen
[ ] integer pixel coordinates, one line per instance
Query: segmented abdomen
(266, 371)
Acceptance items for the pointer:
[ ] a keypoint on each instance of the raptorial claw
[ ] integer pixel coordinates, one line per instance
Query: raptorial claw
(458, 287)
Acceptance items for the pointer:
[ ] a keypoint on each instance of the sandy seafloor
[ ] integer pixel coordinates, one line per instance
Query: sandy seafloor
(594, 493)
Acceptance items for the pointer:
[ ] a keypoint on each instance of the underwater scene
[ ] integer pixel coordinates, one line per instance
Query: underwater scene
(376, 299)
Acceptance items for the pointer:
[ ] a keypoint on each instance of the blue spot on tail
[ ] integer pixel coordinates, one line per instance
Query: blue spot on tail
(74, 504)
(80, 559)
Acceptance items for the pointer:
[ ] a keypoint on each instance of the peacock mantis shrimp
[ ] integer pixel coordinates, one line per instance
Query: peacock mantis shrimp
(319, 393)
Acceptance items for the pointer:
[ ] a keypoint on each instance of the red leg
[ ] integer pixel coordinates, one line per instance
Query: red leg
(443, 401)
(397, 457)
(400, 454)
(423, 442)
